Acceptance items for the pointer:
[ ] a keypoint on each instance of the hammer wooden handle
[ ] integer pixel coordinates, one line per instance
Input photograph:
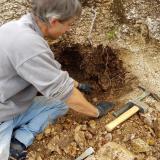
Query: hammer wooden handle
(122, 118)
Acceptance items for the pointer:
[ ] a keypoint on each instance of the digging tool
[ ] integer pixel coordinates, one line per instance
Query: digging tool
(138, 107)
(155, 96)
(85, 154)
(128, 105)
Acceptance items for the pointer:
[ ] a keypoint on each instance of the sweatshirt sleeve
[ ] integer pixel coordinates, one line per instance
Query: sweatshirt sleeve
(44, 73)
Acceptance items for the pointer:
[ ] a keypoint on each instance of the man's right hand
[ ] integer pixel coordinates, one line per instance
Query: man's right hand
(104, 108)
(79, 103)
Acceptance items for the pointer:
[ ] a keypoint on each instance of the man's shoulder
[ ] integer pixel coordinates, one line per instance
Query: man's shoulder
(17, 32)
(21, 29)
(21, 41)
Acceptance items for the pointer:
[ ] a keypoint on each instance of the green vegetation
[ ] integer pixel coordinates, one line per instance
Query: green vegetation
(111, 34)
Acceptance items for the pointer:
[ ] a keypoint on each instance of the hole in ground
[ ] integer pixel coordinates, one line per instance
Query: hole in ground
(97, 65)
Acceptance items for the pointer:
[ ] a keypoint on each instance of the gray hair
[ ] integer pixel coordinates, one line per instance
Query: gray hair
(59, 9)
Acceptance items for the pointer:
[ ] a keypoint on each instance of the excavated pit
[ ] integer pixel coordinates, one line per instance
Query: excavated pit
(99, 65)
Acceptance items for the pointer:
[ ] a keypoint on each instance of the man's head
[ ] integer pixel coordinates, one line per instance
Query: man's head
(57, 15)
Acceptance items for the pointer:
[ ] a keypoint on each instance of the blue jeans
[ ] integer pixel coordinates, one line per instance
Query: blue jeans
(27, 125)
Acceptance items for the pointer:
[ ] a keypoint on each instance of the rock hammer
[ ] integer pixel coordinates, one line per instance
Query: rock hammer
(138, 106)
(128, 105)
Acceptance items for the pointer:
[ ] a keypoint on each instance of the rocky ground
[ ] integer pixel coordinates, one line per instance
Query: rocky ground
(138, 138)
(114, 46)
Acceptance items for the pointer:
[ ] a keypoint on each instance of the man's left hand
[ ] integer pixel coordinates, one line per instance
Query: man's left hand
(86, 88)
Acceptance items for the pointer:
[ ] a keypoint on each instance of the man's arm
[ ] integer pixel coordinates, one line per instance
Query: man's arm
(79, 103)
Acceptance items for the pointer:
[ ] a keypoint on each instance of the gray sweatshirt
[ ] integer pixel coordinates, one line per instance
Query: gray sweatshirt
(27, 65)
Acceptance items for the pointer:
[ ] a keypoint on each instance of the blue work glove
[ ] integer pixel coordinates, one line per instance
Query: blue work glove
(104, 108)
(17, 150)
(86, 88)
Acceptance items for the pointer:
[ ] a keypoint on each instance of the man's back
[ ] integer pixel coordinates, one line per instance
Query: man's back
(16, 93)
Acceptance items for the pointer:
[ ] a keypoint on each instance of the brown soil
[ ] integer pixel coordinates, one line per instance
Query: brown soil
(99, 65)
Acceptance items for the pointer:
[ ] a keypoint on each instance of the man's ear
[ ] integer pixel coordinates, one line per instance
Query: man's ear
(53, 21)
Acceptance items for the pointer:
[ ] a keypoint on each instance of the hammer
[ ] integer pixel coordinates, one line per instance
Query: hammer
(128, 105)
(138, 107)
(155, 96)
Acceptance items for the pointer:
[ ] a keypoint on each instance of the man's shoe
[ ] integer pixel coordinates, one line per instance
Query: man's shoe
(17, 150)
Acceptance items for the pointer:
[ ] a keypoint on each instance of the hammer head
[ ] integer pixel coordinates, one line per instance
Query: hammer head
(155, 96)
(143, 107)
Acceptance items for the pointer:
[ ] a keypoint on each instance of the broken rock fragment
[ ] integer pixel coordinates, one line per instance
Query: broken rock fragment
(157, 127)
(139, 146)
(92, 124)
(39, 137)
(112, 150)
(47, 131)
(108, 137)
(71, 149)
(79, 137)
(151, 158)
(53, 145)
(34, 156)
(88, 135)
